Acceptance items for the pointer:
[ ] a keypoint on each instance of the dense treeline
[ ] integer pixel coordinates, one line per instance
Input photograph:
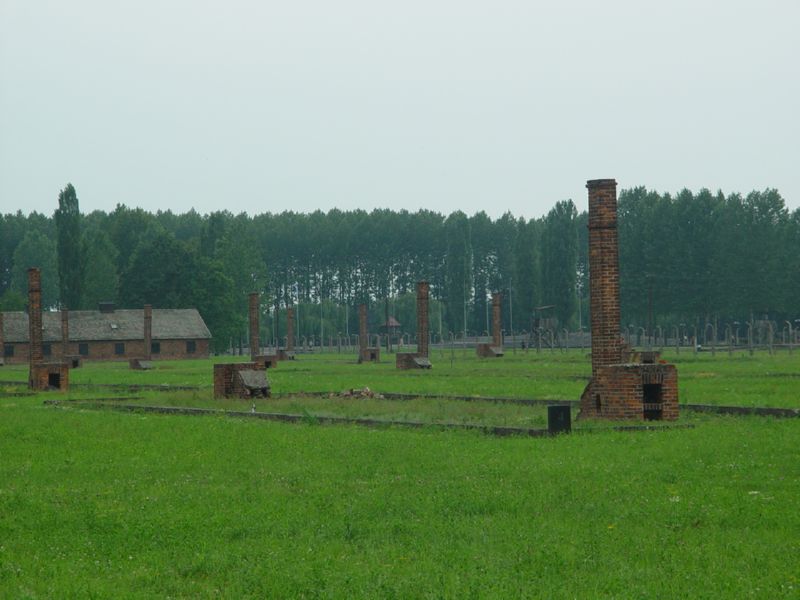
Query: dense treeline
(706, 256)
(687, 257)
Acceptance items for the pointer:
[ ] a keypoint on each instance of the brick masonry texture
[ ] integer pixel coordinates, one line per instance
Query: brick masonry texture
(423, 292)
(495, 348)
(254, 324)
(270, 361)
(411, 360)
(106, 350)
(604, 273)
(148, 332)
(41, 375)
(227, 384)
(140, 364)
(369, 354)
(418, 359)
(285, 354)
(64, 332)
(362, 327)
(366, 353)
(290, 329)
(130, 335)
(497, 319)
(35, 316)
(619, 389)
(484, 350)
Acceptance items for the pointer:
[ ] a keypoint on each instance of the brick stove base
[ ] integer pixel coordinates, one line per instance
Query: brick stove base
(632, 391)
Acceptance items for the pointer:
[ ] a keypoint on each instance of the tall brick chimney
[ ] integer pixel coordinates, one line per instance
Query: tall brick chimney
(148, 332)
(290, 329)
(41, 375)
(35, 316)
(422, 318)
(254, 325)
(64, 333)
(622, 386)
(497, 319)
(362, 329)
(604, 273)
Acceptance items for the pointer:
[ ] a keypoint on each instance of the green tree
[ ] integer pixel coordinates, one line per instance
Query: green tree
(211, 294)
(71, 249)
(582, 280)
(484, 260)
(169, 274)
(128, 228)
(791, 264)
(560, 260)
(458, 270)
(159, 273)
(238, 257)
(102, 281)
(12, 300)
(503, 276)
(527, 271)
(36, 250)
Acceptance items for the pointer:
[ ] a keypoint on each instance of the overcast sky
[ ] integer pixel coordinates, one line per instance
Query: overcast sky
(442, 104)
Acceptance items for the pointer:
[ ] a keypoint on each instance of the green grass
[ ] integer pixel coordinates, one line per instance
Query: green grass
(104, 504)
(116, 505)
(760, 380)
(433, 411)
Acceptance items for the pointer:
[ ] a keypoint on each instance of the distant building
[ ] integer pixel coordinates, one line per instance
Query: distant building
(109, 334)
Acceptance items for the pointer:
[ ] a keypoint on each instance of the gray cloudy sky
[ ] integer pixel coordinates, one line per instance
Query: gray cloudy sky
(443, 104)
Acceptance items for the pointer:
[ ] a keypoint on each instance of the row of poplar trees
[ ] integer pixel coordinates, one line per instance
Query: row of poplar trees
(683, 257)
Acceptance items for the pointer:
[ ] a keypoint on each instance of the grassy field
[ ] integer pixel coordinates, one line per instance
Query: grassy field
(760, 380)
(108, 504)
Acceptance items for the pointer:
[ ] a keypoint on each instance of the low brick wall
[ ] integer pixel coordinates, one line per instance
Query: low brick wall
(226, 382)
(49, 376)
(369, 354)
(270, 361)
(488, 351)
(140, 364)
(411, 360)
(620, 392)
(285, 354)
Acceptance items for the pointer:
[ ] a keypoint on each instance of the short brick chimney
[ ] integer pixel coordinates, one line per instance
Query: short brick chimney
(41, 375)
(290, 329)
(254, 325)
(64, 334)
(362, 328)
(423, 290)
(497, 320)
(35, 316)
(148, 332)
(418, 359)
